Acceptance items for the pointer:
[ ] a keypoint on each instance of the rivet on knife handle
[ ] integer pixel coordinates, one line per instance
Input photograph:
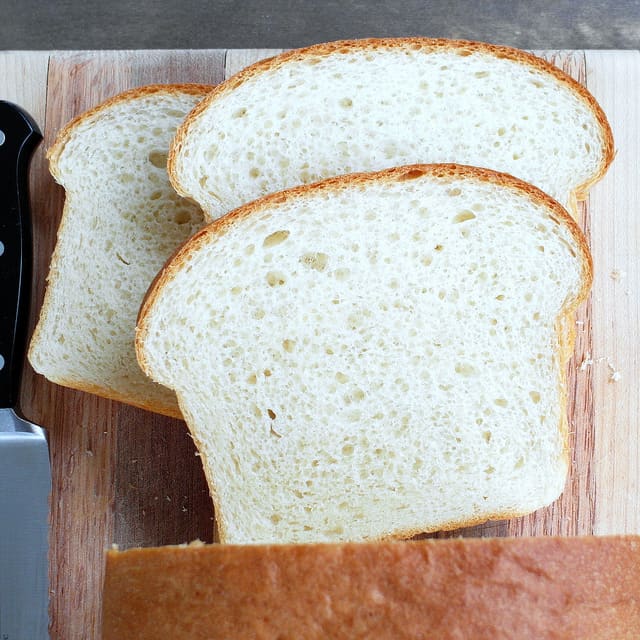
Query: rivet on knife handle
(19, 136)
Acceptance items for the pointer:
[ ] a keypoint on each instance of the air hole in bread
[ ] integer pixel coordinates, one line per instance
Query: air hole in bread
(455, 191)
(275, 238)
(465, 369)
(275, 279)
(315, 260)
(535, 396)
(158, 159)
(500, 402)
(346, 103)
(341, 274)
(240, 113)
(464, 216)
(211, 153)
(182, 216)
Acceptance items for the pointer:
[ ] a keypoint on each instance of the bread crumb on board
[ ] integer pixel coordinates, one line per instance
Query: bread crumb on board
(614, 374)
(587, 362)
(617, 274)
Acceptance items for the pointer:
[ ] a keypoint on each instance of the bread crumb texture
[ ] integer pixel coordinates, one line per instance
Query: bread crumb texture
(332, 111)
(121, 221)
(373, 357)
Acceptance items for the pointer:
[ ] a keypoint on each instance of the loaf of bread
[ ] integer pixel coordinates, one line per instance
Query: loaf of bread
(375, 355)
(584, 588)
(366, 105)
(121, 221)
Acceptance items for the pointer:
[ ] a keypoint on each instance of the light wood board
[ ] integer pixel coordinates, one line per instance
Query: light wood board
(125, 476)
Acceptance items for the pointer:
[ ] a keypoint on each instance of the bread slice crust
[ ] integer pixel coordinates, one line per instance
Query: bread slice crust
(55, 150)
(374, 45)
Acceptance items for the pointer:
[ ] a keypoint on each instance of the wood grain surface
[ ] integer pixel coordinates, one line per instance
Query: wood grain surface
(125, 476)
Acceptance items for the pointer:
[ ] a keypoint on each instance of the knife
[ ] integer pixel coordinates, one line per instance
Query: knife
(25, 474)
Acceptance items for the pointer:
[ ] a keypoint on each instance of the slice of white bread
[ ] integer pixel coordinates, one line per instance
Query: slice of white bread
(121, 221)
(584, 587)
(366, 105)
(374, 355)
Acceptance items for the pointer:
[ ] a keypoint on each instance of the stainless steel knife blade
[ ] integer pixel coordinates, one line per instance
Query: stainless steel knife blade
(25, 475)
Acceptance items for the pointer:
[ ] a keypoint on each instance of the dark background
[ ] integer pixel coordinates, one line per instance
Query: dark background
(202, 24)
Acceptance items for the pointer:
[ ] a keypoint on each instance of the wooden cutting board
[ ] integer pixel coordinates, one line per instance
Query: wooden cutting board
(121, 475)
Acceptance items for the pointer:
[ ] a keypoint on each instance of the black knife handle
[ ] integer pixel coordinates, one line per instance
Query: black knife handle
(19, 136)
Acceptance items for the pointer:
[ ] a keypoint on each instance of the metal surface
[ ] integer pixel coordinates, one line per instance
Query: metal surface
(25, 475)
(25, 483)
(203, 24)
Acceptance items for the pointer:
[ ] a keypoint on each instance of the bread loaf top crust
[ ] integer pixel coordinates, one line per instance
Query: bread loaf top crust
(500, 588)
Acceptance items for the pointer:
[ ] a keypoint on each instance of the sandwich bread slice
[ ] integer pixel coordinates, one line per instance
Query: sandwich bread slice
(121, 221)
(366, 105)
(376, 355)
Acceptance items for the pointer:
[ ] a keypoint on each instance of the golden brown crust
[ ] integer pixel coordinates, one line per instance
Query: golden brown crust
(397, 174)
(169, 410)
(545, 587)
(463, 47)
